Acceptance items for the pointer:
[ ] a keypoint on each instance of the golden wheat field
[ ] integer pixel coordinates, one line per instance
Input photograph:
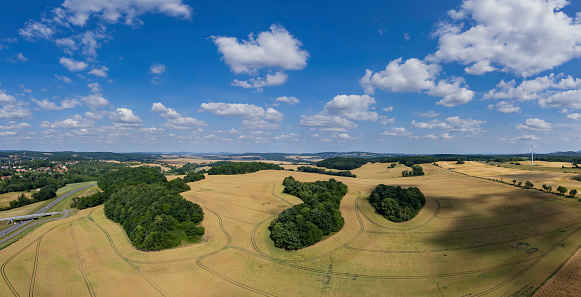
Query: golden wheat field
(474, 237)
(7, 197)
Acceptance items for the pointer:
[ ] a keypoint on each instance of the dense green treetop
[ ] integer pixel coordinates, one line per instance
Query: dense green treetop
(342, 163)
(396, 203)
(241, 168)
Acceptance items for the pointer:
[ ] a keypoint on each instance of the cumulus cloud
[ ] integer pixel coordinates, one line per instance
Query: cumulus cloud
(411, 76)
(14, 126)
(429, 114)
(535, 125)
(64, 79)
(78, 12)
(34, 30)
(504, 107)
(276, 48)
(254, 117)
(12, 109)
(76, 122)
(574, 116)
(49, 105)
(95, 100)
(276, 79)
(417, 76)
(452, 93)
(327, 121)
(6, 99)
(452, 124)
(352, 107)
(157, 68)
(397, 131)
(567, 99)
(383, 120)
(174, 119)
(388, 109)
(524, 37)
(73, 65)
(124, 117)
(99, 71)
(20, 57)
(288, 100)
(527, 137)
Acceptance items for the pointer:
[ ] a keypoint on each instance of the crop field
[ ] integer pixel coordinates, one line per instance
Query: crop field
(474, 236)
(538, 178)
(7, 197)
(20, 211)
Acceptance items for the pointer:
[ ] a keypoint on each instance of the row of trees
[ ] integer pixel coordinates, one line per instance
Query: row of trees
(417, 170)
(342, 163)
(346, 173)
(307, 223)
(155, 217)
(396, 203)
(241, 168)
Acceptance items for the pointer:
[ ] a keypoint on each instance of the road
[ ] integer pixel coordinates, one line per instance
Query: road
(20, 227)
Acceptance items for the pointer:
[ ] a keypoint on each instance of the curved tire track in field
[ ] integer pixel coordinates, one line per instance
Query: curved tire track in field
(80, 263)
(127, 260)
(225, 247)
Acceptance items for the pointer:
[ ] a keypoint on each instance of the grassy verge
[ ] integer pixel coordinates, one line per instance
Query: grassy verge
(65, 204)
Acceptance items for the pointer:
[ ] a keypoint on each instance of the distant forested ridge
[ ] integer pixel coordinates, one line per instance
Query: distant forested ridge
(327, 172)
(241, 168)
(154, 217)
(342, 163)
(307, 223)
(396, 203)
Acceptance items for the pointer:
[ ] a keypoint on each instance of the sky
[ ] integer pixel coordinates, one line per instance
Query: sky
(417, 77)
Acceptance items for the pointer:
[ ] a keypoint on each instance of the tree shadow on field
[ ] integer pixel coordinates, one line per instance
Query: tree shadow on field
(504, 233)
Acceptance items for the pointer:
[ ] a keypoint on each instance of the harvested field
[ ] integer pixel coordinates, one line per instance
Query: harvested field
(566, 282)
(7, 197)
(20, 211)
(474, 236)
(538, 178)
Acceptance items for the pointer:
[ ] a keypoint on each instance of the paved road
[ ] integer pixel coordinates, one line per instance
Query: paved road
(11, 231)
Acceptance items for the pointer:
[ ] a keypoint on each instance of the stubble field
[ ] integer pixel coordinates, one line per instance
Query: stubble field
(474, 236)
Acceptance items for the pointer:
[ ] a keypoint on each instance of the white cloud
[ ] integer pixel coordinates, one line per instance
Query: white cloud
(276, 48)
(479, 68)
(527, 137)
(73, 65)
(454, 124)
(411, 76)
(567, 99)
(397, 131)
(14, 126)
(535, 124)
(34, 30)
(49, 105)
(8, 133)
(6, 99)
(383, 120)
(94, 100)
(272, 115)
(353, 107)
(452, 93)
(64, 79)
(288, 100)
(417, 76)
(446, 136)
(234, 109)
(388, 109)
(520, 36)
(505, 107)
(124, 117)
(574, 116)
(258, 124)
(281, 137)
(429, 114)
(326, 121)
(76, 122)
(157, 68)
(342, 136)
(15, 112)
(21, 57)
(276, 79)
(88, 42)
(78, 12)
(174, 119)
(99, 71)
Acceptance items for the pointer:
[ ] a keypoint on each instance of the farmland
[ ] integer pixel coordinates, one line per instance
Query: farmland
(474, 236)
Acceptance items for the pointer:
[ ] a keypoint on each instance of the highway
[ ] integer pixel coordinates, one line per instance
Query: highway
(9, 232)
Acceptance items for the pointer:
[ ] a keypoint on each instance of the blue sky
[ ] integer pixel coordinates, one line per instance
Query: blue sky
(473, 76)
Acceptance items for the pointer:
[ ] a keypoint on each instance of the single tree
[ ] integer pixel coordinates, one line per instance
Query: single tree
(519, 183)
(549, 189)
(544, 187)
(562, 190)
(528, 185)
(573, 192)
(514, 181)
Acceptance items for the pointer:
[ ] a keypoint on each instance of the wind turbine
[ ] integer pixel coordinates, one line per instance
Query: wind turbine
(532, 153)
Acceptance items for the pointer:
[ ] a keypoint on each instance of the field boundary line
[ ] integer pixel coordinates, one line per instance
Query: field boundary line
(80, 263)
